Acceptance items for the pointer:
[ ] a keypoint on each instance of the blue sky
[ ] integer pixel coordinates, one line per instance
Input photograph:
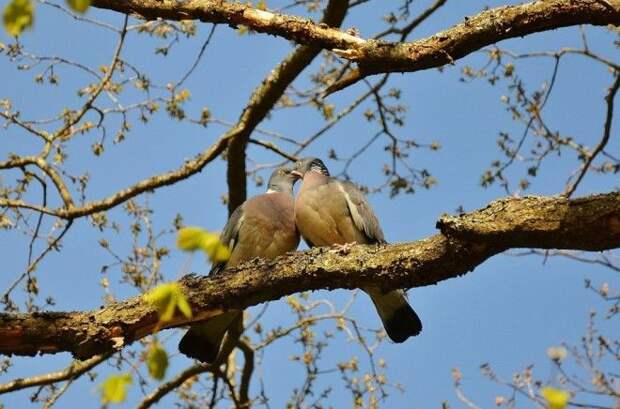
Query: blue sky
(507, 312)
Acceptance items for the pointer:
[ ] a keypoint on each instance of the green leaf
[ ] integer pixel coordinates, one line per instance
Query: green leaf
(219, 254)
(166, 299)
(157, 361)
(17, 16)
(214, 248)
(183, 306)
(190, 238)
(114, 389)
(555, 398)
(79, 5)
(196, 238)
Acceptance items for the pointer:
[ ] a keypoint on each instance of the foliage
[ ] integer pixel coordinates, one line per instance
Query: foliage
(79, 5)
(17, 16)
(196, 238)
(157, 361)
(167, 299)
(114, 389)
(556, 398)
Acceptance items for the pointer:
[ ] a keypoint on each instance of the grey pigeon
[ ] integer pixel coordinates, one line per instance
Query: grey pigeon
(263, 226)
(330, 212)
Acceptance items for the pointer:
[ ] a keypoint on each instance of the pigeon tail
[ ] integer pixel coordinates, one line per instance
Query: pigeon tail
(399, 319)
(203, 341)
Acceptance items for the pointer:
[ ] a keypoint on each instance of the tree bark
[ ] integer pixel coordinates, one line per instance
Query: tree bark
(372, 56)
(590, 223)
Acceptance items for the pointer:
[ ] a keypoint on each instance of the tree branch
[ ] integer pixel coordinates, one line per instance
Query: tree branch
(609, 117)
(174, 383)
(73, 371)
(188, 169)
(246, 375)
(590, 223)
(374, 56)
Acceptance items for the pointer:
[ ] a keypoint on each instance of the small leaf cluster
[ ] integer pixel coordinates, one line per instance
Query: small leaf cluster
(18, 15)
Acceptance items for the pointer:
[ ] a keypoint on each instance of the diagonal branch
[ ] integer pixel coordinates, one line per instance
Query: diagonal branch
(372, 56)
(590, 223)
(609, 117)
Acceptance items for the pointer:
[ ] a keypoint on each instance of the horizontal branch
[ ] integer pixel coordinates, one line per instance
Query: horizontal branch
(590, 223)
(373, 56)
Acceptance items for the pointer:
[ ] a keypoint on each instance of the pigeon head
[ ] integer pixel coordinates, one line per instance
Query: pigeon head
(282, 180)
(305, 165)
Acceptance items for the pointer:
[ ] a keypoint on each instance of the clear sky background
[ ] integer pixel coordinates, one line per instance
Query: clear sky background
(507, 312)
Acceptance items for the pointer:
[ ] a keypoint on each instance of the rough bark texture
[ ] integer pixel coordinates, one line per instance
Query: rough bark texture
(479, 31)
(590, 223)
(374, 57)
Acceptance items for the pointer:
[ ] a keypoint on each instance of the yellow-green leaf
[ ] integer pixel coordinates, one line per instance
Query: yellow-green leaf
(208, 241)
(114, 389)
(220, 253)
(184, 307)
(166, 299)
(190, 238)
(214, 248)
(556, 398)
(196, 238)
(79, 5)
(157, 361)
(17, 16)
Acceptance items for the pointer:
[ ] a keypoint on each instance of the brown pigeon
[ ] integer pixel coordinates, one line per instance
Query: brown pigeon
(263, 226)
(330, 212)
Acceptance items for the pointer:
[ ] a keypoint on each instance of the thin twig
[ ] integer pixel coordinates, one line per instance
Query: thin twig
(198, 58)
(609, 98)
(52, 245)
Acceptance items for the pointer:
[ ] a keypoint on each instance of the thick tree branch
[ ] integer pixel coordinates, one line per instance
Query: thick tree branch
(590, 223)
(474, 33)
(300, 30)
(374, 56)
